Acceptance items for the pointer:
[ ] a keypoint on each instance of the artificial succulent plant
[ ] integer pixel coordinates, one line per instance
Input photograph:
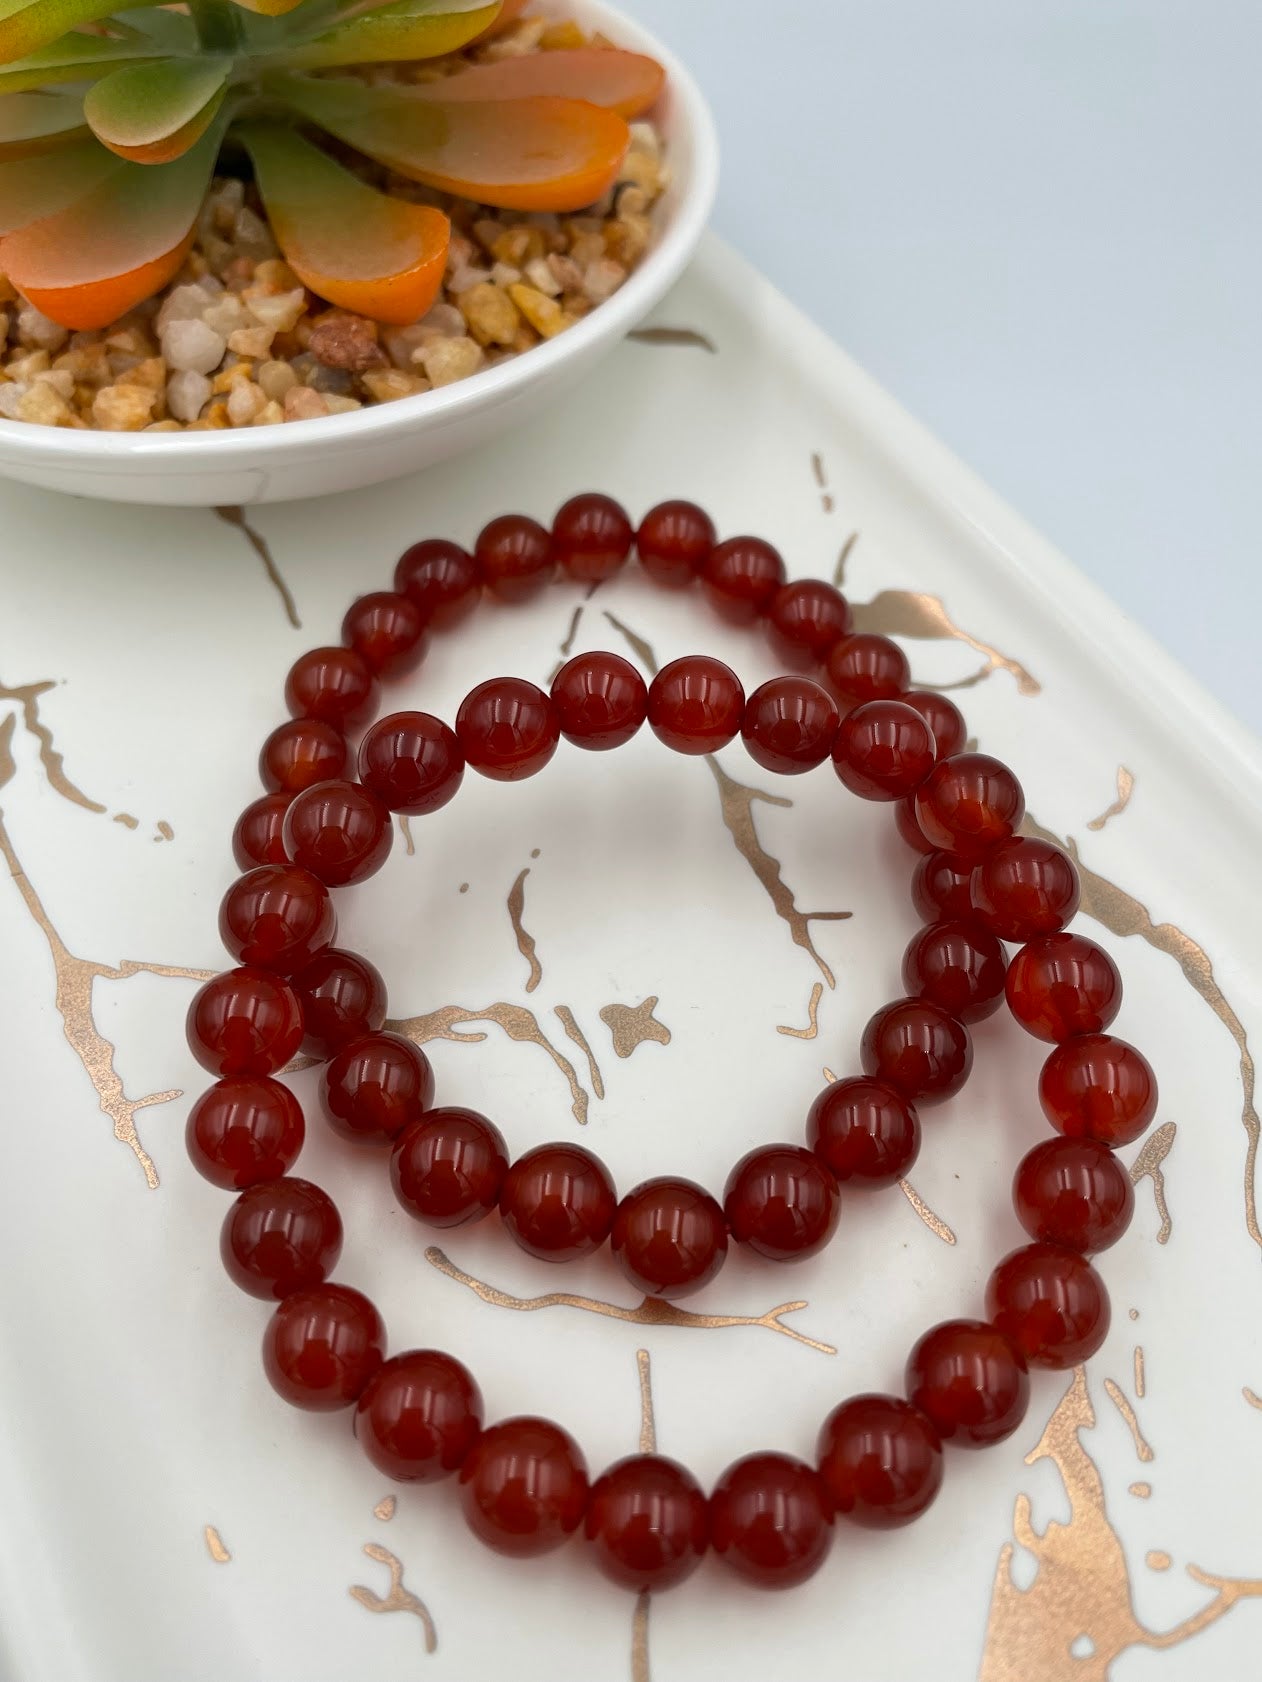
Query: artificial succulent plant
(112, 123)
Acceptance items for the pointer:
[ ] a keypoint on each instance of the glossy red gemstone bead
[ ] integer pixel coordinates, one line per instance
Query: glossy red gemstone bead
(918, 1048)
(321, 1347)
(673, 541)
(277, 917)
(343, 997)
(441, 578)
(782, 1201)
(258, 837)
(908, 826)
(866, 1132)
(1097, 1087)
(789, 725)
(339, 832)
(524, 1487)
(648, 1523)
(600, 701)
(411, 762)
(770, 1520)
(335, 685)
(942, 716)
(867, 667)
(1063, 984)
(1073, 1192)
(515, 557)
(1024, 888)
(1050, 1303)
(696, 704)
(805, 619)
(375, 1087)
(418, 1416)
(244, 1022)
(300, 752)
(883, 750)
(969, 804)
(279, 1237)
(508, 729)
(669, 1237)
(448, 1168)
(592, 537)
(956, 965)
(242, 1131)
(558, 1202)
(942, 887)
(970, 1381)
(740, 576)
(881, 1461)
(387, 631)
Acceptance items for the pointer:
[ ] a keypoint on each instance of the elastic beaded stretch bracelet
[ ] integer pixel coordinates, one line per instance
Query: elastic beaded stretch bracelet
(977, 884)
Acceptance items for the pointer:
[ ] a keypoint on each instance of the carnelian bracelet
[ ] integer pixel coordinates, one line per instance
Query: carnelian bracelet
(977, 884)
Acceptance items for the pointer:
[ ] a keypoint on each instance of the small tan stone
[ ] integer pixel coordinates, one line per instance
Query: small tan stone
(26, 367)
(301, 403)
(278, 310)
(44, 406)
(275, 275)
(271, 414)
(339, 405)
(251, 341)
(544, 314)
(387, 385)
(227, 378)
(276, 378)
(519, 245)
(541, 277)
(245, 400)
(447, 360)
(491, 314)
(60, 379)
(164, 426)
(124, 408)
(152, 371)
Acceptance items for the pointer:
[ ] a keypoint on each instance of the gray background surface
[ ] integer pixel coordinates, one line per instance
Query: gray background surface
(1036, 222)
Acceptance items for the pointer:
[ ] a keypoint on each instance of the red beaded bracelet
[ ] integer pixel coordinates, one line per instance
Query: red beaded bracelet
(419, 1415)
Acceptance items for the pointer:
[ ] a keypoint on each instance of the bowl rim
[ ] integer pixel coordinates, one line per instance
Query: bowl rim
(691, 115)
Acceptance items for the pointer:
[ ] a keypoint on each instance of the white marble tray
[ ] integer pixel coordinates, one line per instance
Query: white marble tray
(165, 1518)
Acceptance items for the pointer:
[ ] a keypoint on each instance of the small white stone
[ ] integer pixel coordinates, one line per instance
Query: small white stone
(34, 328)
(244, 402)
(279, 310)
(187, 391)
(11, 394)
(226, 314)
(193, 345)
(504, 275)
(542, 278)
(252, 235)
(464, 279)
(186, 303)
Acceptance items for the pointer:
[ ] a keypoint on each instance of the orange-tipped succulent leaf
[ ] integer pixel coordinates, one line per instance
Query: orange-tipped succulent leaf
(98, 304)
(355, 247)
(153, 113)
(408, 29)
(32, 124)
(28, 25)
(75, 58)
(628, 83)
(33, 188)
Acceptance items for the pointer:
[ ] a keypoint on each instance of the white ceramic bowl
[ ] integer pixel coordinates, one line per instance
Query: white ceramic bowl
(343, 452)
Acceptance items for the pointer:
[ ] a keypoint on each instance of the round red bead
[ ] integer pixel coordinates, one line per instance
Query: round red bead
(1024, 888)
(418, 1416)
(805, 619)
(673, 541)
(865, 1131)
(244, 1022)
(375, 1086)
(343, 997)
(321, 1347)
(339, 832)
(258, 837)
(648, 1523)
(1063, 984)
(412, 763)
(942, 888)
(1098, 1087)
(958, 966)
(600, 701)
(669, 1237)
(740, 577)
(277, 917)
(918, 1048)
(524, 1487)
(942, 716)
(592, 537)
(770, 1520)
(1050, 1303)
(883, 750)
(387, 631)
(242, 1131)
(969, 804)
(508, 729)
(908, 826)
(280, 1237)
(696, 704)
(441, 578)
(867, 667)
(335, 685)
(448, 1168)
(881, 1461)
(789, 725)
(515, 556)
(558, 1202)
(1073, 1192)
(970, 1381)
(782, 1201)
(300, 752)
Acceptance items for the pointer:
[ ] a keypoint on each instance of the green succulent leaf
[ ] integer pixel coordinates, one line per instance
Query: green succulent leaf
(32, 123)
(172, 30)
(28, 25)
(37, 187)
(76, 58)
(152, 113)
(407, 29)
